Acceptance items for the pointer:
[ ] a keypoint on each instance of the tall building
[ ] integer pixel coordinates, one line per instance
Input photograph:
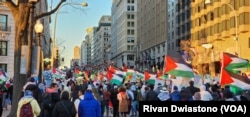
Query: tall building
(215, 27)
(124, 33)
(89, 37)
(76, 52)
(179, 25)
(101, 41)
(86, 47)
(84, 51)
(7, 40)
(76, 60)
(152, 21)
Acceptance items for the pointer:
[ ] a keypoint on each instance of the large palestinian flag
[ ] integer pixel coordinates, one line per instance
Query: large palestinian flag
(236, 81)
(115, 76)
(177, 67)
(149, 78)
(232, 62)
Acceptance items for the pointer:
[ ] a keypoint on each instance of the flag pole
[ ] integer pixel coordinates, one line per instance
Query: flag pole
(165, 61)
(222, 66)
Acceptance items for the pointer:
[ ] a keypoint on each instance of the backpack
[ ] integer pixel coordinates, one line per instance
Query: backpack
(26, 110)
(47, 101)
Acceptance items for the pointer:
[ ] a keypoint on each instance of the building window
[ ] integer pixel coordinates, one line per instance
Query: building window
(3, 67)
(3, 22)
(130, 40)
(128, 16)
(244, 18)
(130, 57)
(128, 8)
(132, 8)
(130, 47)
(132, 16)
(3, 48)
(244, 3)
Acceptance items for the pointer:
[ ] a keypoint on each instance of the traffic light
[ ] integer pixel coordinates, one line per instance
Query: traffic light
(57, 54)
(57, 57)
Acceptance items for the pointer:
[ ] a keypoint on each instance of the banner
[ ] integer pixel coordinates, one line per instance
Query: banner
(194, 108)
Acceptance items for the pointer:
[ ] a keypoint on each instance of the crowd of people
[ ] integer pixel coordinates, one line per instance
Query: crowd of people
(72, 97)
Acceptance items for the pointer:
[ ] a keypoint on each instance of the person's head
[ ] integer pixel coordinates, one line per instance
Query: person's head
(28, 93)
(151, 87)
(159, 86)
(191, 83)
(122, 89)
(31, 79)
(175, 88)
(48, 67)
(53, 85)
(81, 92)
(65, 95)
(197, 96)
(164, 90)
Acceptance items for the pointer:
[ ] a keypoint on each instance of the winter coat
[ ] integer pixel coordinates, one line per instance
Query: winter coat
(175, 96)
(89, 106)
(60, 111)
(35, 106)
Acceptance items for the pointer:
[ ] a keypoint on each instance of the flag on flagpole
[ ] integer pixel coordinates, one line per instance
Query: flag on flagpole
(177, 67)
(236, 81)
(231, 62)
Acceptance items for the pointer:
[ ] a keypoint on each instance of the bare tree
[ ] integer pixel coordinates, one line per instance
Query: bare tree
(20, 12)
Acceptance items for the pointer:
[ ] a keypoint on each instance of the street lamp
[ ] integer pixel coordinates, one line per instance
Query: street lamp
(39, 29)
(236, 23)
(84, 4)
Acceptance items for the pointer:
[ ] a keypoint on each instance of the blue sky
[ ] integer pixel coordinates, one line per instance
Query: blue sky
(71, 23)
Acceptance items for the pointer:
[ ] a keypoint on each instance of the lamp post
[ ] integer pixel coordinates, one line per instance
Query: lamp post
(39, 30)
(84, 4)
(30, 36)
(235, 21)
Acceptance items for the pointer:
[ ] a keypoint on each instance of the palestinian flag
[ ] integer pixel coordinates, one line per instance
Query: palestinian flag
(236, 81)
(117, 79)
(3, 76)
(149, 78)
(129, 74)
(116, 76)
(231, 62)
(139, 75)
(177, 67)
(115, 71)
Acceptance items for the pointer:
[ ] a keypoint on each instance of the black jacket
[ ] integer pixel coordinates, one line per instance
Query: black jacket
(64, 108)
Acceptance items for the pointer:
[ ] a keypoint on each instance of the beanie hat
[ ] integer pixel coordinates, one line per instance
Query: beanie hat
(175, 88)
(28, 93)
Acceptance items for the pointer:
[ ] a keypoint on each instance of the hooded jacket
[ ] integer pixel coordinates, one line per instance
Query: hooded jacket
(35, 106)
(89, 106)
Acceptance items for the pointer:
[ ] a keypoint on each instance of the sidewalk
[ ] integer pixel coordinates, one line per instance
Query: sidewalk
(6, 112)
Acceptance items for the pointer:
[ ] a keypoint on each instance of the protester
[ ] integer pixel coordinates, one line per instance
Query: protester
(28, 99)
(64, 108)
(89, 106)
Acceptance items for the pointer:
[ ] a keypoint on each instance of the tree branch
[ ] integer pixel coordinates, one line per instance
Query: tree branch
(11, 5)
(50, 12)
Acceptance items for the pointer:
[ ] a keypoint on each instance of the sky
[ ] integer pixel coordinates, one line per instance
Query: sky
(72, 22)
